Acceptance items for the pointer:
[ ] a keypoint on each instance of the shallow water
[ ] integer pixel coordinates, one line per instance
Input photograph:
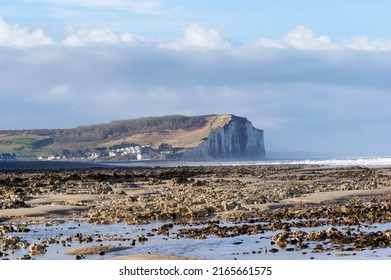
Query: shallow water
(250, 247)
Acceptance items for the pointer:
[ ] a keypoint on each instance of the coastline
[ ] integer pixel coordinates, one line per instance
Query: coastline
(46, 165)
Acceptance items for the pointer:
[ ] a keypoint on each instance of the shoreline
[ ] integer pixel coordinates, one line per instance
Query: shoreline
(367, 162)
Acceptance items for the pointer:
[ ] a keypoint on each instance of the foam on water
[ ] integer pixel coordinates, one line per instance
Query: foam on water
(364, 161)
(372, 161)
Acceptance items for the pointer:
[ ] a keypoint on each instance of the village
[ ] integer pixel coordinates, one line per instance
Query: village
(120, 152)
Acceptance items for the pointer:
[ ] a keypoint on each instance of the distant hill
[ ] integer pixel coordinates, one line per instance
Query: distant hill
(153, 137)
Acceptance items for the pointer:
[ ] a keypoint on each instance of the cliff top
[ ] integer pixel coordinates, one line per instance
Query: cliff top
(182, 137)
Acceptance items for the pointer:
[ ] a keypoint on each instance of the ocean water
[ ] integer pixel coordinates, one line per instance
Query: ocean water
(359, 161)
(63, 165)
(368, 161)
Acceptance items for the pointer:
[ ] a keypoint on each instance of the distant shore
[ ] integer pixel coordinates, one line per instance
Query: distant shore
(46, 165)
(69, 165)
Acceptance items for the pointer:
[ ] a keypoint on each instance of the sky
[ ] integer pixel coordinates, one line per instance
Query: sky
(314, 75)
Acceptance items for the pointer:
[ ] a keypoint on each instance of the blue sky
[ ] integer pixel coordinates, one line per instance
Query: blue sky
(313, 74)
(240, 20)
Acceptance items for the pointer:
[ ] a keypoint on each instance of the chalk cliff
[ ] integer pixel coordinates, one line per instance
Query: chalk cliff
(236, 139)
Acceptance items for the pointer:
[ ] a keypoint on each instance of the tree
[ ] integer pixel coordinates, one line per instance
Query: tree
(164, 147)
(66, 153)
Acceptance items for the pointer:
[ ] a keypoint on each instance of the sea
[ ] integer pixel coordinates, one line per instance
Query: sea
(58, 165)
(351, 161)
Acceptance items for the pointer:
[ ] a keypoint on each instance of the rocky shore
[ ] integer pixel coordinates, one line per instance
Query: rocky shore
(300, 205)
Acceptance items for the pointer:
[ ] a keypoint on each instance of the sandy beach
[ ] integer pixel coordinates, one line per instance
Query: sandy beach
(278, 196)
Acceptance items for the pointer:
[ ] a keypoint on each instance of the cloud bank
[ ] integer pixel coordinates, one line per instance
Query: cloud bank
(306, 91)
(16, 36)
(194, 36)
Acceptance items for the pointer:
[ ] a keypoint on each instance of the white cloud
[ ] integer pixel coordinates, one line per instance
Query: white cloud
(305, 38)
(268, 43)
(195, 36)
(79, 37)
(365, 44)
(16, 36)
(127, 37)
(301, 37)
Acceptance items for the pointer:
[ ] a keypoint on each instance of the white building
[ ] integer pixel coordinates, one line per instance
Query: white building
(143, 156)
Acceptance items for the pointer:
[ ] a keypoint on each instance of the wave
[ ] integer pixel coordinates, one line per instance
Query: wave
(368, 161)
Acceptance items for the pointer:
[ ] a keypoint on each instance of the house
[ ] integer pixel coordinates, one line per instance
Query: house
(143, 156)
(112, 154)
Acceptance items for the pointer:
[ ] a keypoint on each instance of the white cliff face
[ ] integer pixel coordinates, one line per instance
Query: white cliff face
(238, 139)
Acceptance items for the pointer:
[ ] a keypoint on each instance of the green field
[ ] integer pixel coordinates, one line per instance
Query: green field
(19, 144)
(18, 140)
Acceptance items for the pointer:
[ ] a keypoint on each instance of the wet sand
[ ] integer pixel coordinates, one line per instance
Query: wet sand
(149, 257)
(141, 195)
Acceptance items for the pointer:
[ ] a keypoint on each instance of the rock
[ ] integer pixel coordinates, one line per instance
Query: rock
(10, 241)
(178, 181)
(342, 255)
(141, 238)
(3, 254)
(299, 234)
(286, 227)
(94, 250)
(318, 249)
(198, 183)
(280, 239)
(26, 257)
(36, 249)
(331, 231)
